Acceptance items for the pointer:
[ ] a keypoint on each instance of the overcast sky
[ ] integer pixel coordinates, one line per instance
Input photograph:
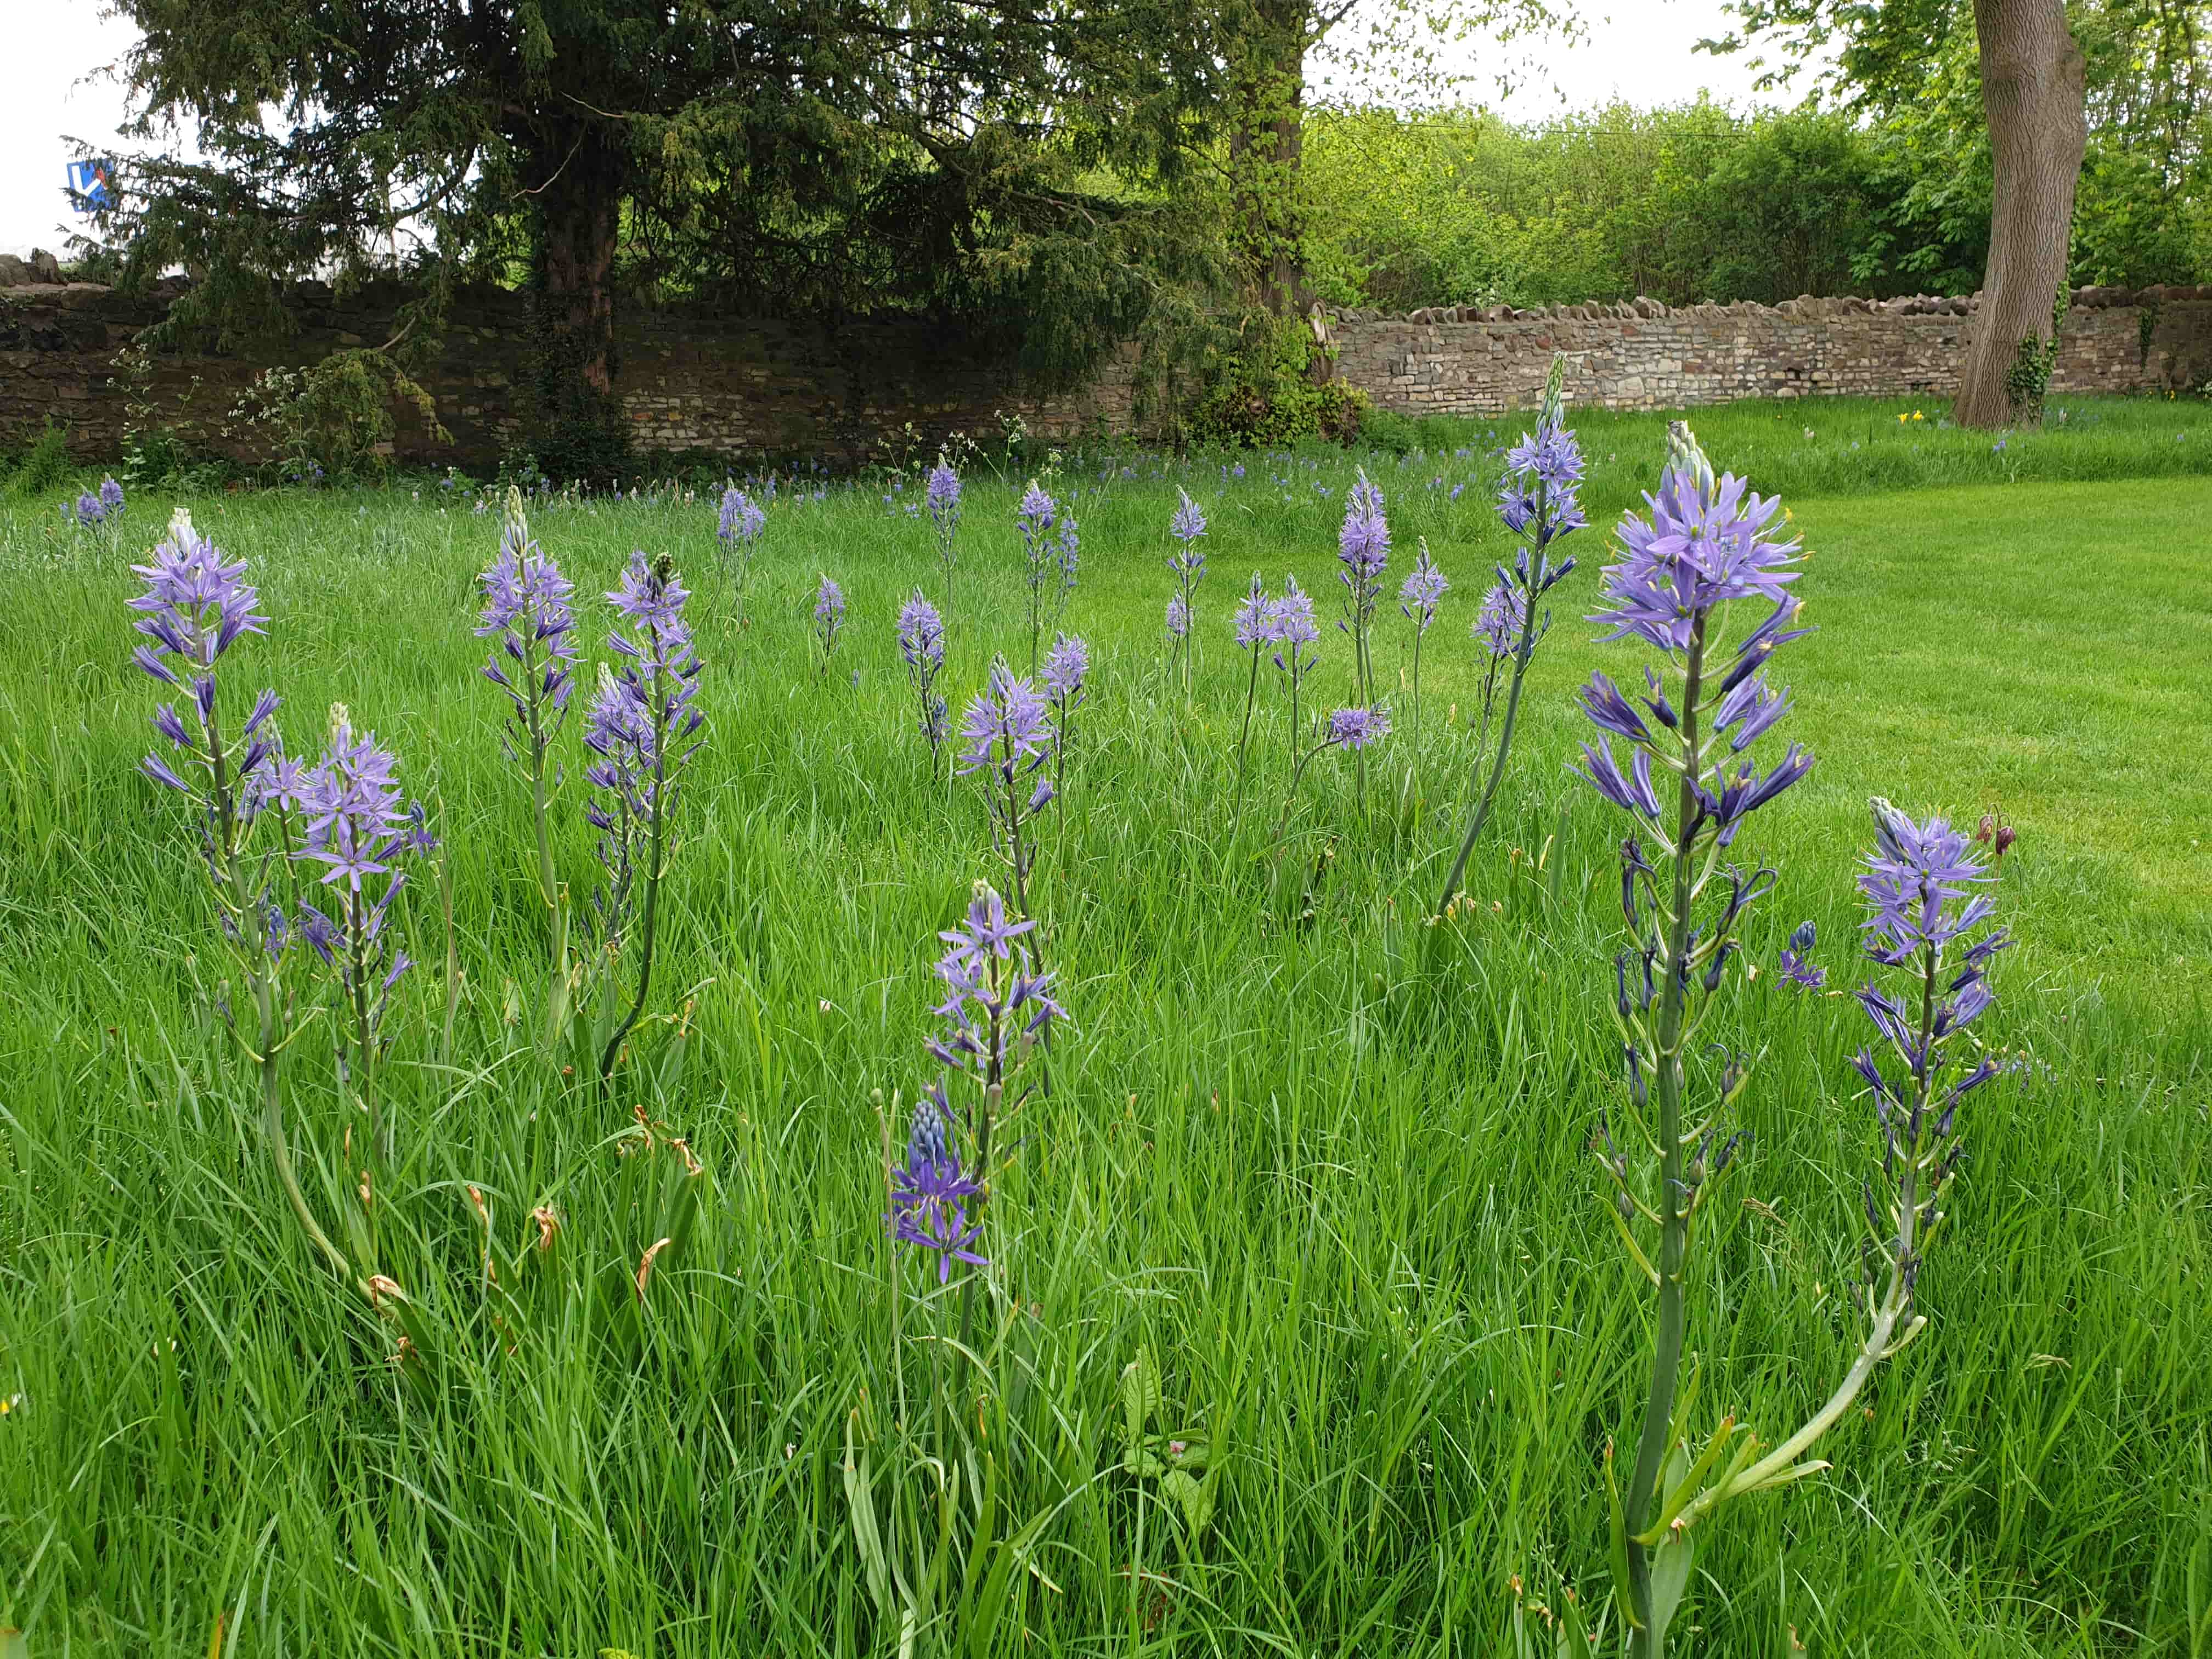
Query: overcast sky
(1638, 50)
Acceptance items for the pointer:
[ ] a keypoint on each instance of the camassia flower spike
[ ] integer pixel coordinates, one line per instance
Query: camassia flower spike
(1679, 774)
(1538, 500)
(1925, 919)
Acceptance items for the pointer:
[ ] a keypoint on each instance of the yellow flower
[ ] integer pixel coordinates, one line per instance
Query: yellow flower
(1915, 414)
(1902, 418)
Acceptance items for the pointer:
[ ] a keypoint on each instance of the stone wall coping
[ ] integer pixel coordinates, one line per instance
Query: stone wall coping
(1805, 306)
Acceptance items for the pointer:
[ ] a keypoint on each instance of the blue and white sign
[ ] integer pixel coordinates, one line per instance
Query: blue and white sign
(89, 186)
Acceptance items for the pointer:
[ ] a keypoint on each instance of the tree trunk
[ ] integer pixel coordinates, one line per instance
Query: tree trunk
(2033, 95)
(1266, 148)
(580, 431)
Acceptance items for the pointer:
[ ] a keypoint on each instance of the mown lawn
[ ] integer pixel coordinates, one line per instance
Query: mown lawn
(1334, 1180)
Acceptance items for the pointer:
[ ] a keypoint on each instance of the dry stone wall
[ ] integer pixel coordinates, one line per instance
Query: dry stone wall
(738, 387)
(733, 387)
(1486, 360)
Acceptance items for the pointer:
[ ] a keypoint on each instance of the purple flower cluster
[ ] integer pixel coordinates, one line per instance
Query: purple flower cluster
(1498, 623)
(1007, 732)
(1919, 885)
(1795, 963)
(1914, 882)
(353, 822)
(354, 819)
(1188, 523)
(1254, 618)
(1292, 627)
(942, 491)
(829, 617)
(1703, 546)
(1539, 502)
(1539, 497)
(636, 729)
(194, 609)
(995, 1006)
(742, 520)
(526, 603)
(1424, 589)
(1364, 550)
(1046, 556)
(1067, 671)
(930, 1196)
(922, 646)
(1356, 728)
(1363, 545)
(195, 606)
(92, 510)
(1681, 554)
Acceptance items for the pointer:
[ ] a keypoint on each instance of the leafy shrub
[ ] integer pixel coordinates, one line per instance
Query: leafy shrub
(1266, 397)
(333, 419)
(47, 467)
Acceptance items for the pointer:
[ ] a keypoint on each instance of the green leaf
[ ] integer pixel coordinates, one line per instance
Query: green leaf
(1795, 1472)
(859, 1499)
(1687, 1486)
(1137, 1461)
(1141, 1393)
(1196, 1497)
(1617, 1543)
(1670, 1575)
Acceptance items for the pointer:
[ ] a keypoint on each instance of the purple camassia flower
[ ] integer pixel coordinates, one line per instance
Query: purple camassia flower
(636, 715)
(1356, 728)
(1702, 547)
(921, 634)
(1070, 544)
(1007, 728)
(1066, 668)
(1036, 516)
(742, 519)
(651, 596)
(352, 822)
(1539, 496)
(1178, 616)
(930, 1196)
(355, 819)
(87, 512)
(1424, 590)
(1914, 876)
(1254, 617)
(1700, 551)
(1293, 628)
(1498, 624)
(943, 492)
(194, 609)
(111, 497)
(993, 1003)
(922, 643)
(1363, 543)
(1797, 964)
(1189, 521)
(525, 603)
(1916, 886)
(829, 615)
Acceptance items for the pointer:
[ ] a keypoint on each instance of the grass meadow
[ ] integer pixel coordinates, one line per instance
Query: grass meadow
(1325, 1162)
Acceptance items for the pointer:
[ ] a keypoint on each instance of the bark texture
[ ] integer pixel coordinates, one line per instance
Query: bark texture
(1266, 150)
(580, 429)
(2032, 94)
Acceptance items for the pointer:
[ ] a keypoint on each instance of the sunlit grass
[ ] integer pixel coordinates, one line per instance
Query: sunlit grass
(1342, 1196)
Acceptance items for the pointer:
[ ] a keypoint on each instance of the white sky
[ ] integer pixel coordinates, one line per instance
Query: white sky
(1638, 50)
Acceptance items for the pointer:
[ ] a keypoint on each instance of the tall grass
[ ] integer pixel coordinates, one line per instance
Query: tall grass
(1344, 1199)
